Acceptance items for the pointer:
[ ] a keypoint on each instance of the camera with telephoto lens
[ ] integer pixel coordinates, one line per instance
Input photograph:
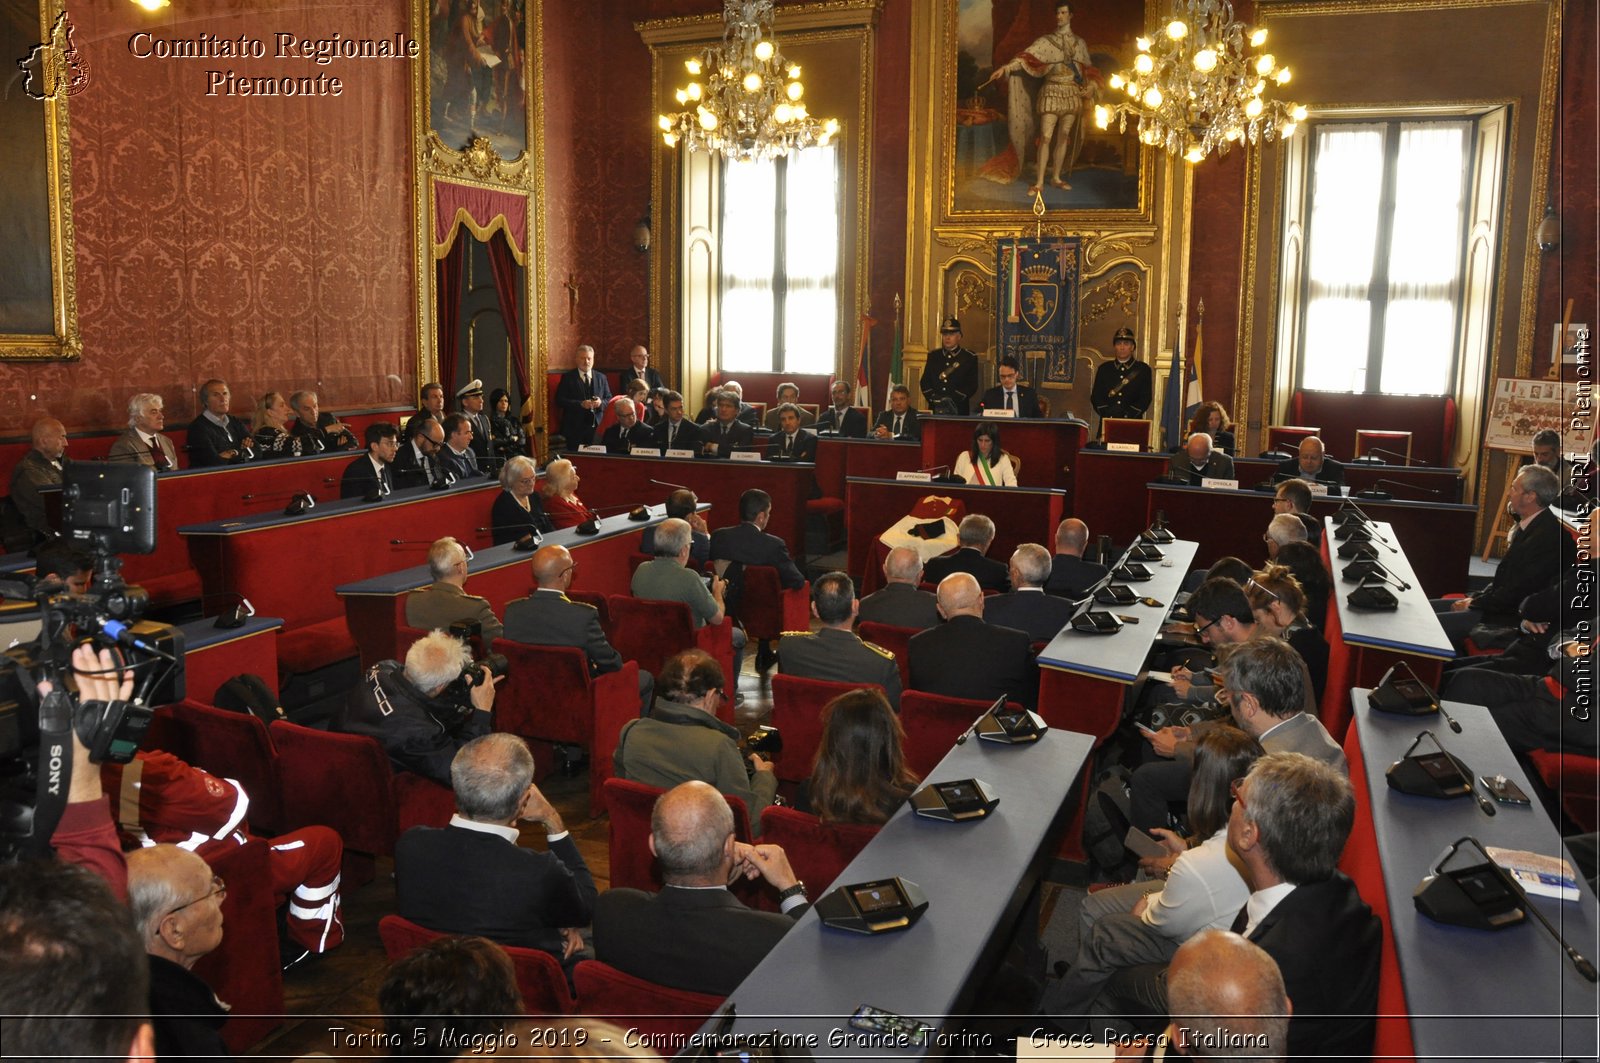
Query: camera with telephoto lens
(460, 688)
(765, 740)
(465, 629)
(106, 510)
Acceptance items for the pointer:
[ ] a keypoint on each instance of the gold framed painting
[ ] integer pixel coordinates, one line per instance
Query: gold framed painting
(1021, 81)
(38, 285)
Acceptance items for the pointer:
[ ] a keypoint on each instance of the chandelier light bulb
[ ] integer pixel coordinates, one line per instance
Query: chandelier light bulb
(664, 122)
(1282, 76)
(1288, 131)
(795, 90)
(670, 139)
(1177, 29)
(1194, 154)
(830, 127)
(693, 91)
(1115, 81)
(752, 82)
(1102, 116)
(1253, 108)
(1142, 43)
(1265, 64)
(708, 121)
(1298, 114)
(1258, 37)
(1205, 60)
(783, 113)
(1152, 97)
(1133, 90)
(1144, 64)
(800, 110)
(683, 97)
(1258, 88)
(692, 66)
(764, 50)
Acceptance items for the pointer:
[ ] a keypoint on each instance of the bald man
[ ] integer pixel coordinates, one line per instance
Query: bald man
(901, 602)
(1070, 574)
(547, 617)
(1312, 464)
(42, 466)
(639, 368)
(967, 658)
(176, 904)
(694, 934)
(1224, 991)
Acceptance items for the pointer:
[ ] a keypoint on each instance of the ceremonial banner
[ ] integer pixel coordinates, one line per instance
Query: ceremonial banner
(1038, 318)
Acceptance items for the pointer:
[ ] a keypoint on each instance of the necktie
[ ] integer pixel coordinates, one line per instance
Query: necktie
(1008, 400)
(158, 456)
(898, 420)
(1241, 922)
(672, 433)
(788, 445)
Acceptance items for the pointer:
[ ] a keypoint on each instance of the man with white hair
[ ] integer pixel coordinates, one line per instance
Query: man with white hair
(445, 601)
(472, 877)
(901, 602)
(967, 658)
(143, 441)
(1027, 607)
(582, 394)
(1283, 529)
(417, 711)
(1198, 461)
(177, 909)
(639, 368)
(974, 535)
(629, 431)
(1312, 463)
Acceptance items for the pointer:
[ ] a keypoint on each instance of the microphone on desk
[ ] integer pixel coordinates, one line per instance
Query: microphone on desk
(1369, 459)
(524, 543)
(1371, 568)
(663, 483)
(1402, 483)
(235, 615)
(592, 525)
(299, 501)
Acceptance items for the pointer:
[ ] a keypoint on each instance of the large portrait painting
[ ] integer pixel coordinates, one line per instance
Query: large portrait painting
(478, 75)
(1027, 76)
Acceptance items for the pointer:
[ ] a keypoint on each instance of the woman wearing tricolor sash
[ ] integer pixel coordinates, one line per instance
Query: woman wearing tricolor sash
(986, 464)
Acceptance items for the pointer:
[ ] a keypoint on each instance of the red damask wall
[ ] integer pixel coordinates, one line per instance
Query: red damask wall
(248, 238)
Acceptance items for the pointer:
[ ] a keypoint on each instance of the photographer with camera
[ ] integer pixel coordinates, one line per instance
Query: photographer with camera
(422, 712)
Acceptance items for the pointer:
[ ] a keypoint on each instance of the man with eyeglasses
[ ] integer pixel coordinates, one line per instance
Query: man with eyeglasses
(1294, 497)
(445, 601)
(177, 908)
(547, 617)
(1283, 529)
(417, 463)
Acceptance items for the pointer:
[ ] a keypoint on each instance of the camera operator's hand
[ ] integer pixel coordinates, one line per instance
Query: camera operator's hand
(483, 694)
(99, 677)
(537, 809)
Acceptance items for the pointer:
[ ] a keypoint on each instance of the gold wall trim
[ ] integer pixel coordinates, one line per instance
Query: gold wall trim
(1244, 335)
(1293, 8)
(478, 163)
(822, 14)
(1539, 191)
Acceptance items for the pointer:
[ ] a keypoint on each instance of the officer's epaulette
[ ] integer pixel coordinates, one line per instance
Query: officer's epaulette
(799, 634)
(875, 648)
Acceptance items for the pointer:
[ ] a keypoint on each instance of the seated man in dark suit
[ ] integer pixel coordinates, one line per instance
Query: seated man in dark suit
(1313, 464)
(842, 419)
(1010, 395)
(472, 877)
(787, 393)
(547, 617)
(901, 602)
(1293, 496)
(217, 437)
(1027, 607)
(639, 368)
(747, 543)
(899, 421)
(973, 536)
(318, 431)
(370, 472)
(1197, 461)
(835, 652)
(432, 396)
(682, 504)
(722, 435)
(1289, 823)
(1070, 574)
(694, 934)
(677, 432)
(44, 465)
(747, 413)
(417, 462)
(791, 442)
(628, 432)
(445, 601)
(458, 457)
(967, 658)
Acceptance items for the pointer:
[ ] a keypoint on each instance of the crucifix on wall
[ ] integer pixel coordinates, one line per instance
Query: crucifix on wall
(572, 299)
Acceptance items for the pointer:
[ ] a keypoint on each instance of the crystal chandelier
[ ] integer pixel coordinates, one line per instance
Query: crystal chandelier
(742, 99)
(1202, 83)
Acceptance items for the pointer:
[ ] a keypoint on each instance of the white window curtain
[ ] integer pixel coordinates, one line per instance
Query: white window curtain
(749, 205)
(1347, 192)
(811, 261)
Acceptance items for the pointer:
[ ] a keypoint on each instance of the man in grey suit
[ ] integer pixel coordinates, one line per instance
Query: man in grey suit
(547, 617)
(1265, 681)
(1198, 461)
(901, 602)
(836, 653)
(445, 600)
(694, 934)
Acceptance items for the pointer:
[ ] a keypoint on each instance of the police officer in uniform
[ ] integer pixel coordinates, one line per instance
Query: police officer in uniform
(950, 378)
(1122, 387)
(836, 653)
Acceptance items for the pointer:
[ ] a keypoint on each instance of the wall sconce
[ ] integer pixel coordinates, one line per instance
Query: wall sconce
(641, 235)
(153, 5)
(1549, 233)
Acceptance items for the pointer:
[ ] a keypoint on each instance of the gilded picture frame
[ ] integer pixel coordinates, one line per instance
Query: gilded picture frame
(996, 113)
(38, 281)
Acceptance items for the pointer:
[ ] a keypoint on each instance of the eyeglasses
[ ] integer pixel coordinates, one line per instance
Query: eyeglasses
(570, 568)
(1235, 788)
(1264, 590)
(219, 890)
(1201, 629)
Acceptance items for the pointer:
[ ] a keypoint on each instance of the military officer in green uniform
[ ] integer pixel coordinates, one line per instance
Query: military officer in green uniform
(836, 653)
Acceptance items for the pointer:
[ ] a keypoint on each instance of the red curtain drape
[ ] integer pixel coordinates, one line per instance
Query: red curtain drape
(451, 270)
(507, 279)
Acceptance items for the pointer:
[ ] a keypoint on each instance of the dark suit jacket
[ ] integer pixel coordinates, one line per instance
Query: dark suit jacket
(185, 1014)
(359, 478)
(1027, 401)
(805, 447)
(704, 941)
(689, 435)
(651, 378)
(508, 522)
(967, 658)
(745, 544)
(640, 435)
(992, 575)
(1536, 558)
(901, 605)
(853, 425)
(408, 471)
(550, 618)
(461, 466)
(31, 473)
(577, 423)
(1332, 472)
(462, 881)
(1327, 942)
(482, 434)
(909, 428)
(1218, 467)
(1041, 615)
(699, 545)
(739, 434)
(1071, 576)
(207, 440)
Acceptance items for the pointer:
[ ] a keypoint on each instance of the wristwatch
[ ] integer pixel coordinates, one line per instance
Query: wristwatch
(797, 890)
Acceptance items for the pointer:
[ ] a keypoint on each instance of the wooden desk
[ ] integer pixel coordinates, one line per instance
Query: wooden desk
(1428, 484)
(1021, 515)
(619, 480)
(840, 457)
(1047, 447)
(1437, 537)
(214, 655)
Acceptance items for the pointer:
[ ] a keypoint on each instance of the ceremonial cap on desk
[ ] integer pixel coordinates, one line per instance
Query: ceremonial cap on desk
(951, 324)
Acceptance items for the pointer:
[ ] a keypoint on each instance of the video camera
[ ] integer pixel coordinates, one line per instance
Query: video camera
(106, 510)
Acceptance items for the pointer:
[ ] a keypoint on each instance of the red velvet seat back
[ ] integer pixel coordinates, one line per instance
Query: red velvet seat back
(897, 640)
(343, 781)
(595, 599)
(830, 476)
(245, 969)
(1575, 778)
(547, 696)
(607, 993)
(817, 851)
(797, 705)
(234, 745)
(649, 631)
(1135, 430)
(766, 609)
(540, 978)
(933, 722)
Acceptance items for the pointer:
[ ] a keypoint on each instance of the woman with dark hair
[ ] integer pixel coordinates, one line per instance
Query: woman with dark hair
(1212, 419)
(1279, 604)
(1194, 887)
(860, 773)
(986, 464)
(1305, 562)
(505, 427)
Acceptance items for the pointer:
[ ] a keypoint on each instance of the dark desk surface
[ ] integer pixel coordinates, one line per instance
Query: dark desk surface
(338, 507)
(1120, 657)
(1413, 628)
(1476, 994)
(203, 634)
(975, 875)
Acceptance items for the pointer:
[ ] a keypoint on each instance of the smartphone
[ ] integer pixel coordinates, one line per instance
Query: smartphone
(876, 1020)
(1503, 790)
(1146, 731)
(1139, 843)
